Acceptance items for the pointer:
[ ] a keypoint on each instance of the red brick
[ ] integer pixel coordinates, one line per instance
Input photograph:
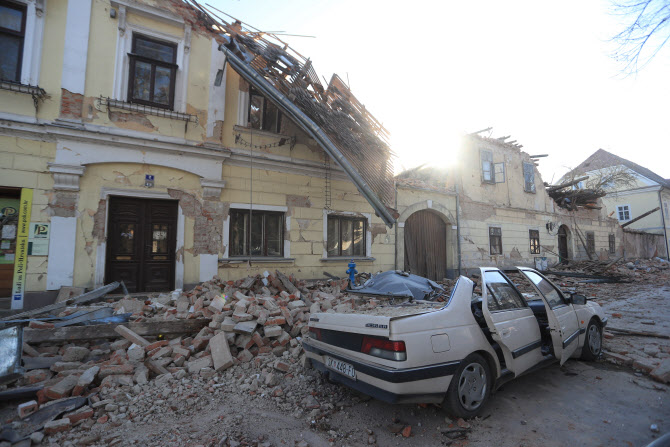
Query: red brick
(281, 366)
(57, 426)
(275, 321)
(156, 344)
(37, 375)
(27, 408)
(257, 339)
(110, 370)
(103, 419)
(81, 414)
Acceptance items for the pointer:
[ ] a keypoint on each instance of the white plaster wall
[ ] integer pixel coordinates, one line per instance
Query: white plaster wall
(76, 45)
(60, 270)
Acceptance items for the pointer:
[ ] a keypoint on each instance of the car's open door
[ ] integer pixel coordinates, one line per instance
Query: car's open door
(563, 322)
(511, 322)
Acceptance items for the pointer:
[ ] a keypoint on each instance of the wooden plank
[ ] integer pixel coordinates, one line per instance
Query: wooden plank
(85, 298)
(641, 216)
(109, 330)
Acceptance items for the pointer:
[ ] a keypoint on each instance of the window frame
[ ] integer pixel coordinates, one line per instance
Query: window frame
(612, 244)
(21, 34)
(341, 217)
(133, 58)
(264, 111)
(529, 186)
(491, 293)
(492, 180)
(247, 242)
(624, 209)
(491, 239)
(534, 242)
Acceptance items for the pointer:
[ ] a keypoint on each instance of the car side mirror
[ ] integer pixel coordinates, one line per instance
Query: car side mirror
(578, 299)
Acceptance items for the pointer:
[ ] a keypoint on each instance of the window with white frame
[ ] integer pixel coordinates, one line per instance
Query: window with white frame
(256, 233)
(152, 72)
(623, 212)
(346, 235)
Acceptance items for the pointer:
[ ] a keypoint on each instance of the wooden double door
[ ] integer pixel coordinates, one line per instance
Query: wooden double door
(141, 243)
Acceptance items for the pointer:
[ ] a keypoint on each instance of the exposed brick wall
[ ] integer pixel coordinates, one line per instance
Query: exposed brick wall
(208, 217)
(71, 104)
(62, 204)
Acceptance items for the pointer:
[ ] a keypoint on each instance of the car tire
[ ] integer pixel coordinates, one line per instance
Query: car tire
(470, 388)
(593, 342)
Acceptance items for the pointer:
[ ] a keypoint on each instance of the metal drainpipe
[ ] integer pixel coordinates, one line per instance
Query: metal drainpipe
(665, 232)
(458, 229)
(395, 251)
(311, 128)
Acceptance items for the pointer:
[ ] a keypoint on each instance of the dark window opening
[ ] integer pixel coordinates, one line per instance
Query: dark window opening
(591, 242)
(153, 72)
(263, 114)
(528, 177)
(346, 236)
(534, 242)
(495, 240)
(612, 244)
(12, 35)
(256, 233)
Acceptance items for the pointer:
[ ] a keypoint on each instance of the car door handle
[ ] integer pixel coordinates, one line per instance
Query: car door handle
(505, 332)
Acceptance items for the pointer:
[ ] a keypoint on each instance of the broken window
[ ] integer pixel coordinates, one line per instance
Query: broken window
(346, 236)
(612, 244)
(12, 34)
(488, 174)
(495, 240)
(528, 177)
(623, 211)
(591, 242)
(153, 72)
(263, 114)
(502, 295)
(534, 242)
(256, 233)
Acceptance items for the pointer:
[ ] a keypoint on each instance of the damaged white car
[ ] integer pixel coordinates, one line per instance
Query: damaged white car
(459, 352)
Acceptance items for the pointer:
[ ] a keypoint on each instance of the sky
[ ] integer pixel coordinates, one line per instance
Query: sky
(432, 71)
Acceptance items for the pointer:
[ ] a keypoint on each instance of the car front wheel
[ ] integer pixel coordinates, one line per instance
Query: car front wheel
(593, 342)
(469, 388)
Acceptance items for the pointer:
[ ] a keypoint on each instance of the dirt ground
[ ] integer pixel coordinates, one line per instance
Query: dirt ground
(580, 404)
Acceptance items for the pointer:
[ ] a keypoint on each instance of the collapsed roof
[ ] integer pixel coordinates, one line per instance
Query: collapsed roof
(333, 116)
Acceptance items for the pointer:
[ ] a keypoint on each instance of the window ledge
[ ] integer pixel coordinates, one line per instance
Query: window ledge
(257, 259)
(149, 110)
(348, 258)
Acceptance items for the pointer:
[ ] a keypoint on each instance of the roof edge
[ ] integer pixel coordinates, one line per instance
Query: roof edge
(311, 128)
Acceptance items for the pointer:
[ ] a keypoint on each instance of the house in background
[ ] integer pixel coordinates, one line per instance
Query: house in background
(647, 192)
(491, 208)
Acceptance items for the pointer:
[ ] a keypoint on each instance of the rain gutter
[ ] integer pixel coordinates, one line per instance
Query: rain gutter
(309, 126)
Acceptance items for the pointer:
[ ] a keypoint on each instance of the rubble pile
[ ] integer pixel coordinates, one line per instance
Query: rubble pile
(251, 331)
(654, 271)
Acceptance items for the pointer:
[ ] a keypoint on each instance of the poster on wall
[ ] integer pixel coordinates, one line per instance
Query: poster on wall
(21, 256)
(9, 210)
(38, 240)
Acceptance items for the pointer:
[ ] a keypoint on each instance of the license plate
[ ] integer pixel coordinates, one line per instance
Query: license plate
(341, 367)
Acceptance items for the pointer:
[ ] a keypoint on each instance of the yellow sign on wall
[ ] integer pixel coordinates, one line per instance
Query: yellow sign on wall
(21, 260)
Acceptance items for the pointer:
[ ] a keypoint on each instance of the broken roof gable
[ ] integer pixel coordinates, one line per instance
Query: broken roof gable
(333, 116)
(603, 159)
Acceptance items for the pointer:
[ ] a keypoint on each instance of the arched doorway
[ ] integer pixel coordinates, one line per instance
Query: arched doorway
(564, 243)
(426, 245)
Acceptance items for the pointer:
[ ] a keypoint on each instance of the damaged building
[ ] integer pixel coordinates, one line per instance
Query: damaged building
(142, 143)
(491, 208)
(161, 144)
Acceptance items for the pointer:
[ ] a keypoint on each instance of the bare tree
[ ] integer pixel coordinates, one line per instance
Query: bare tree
(647, 31)
(580, 189)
